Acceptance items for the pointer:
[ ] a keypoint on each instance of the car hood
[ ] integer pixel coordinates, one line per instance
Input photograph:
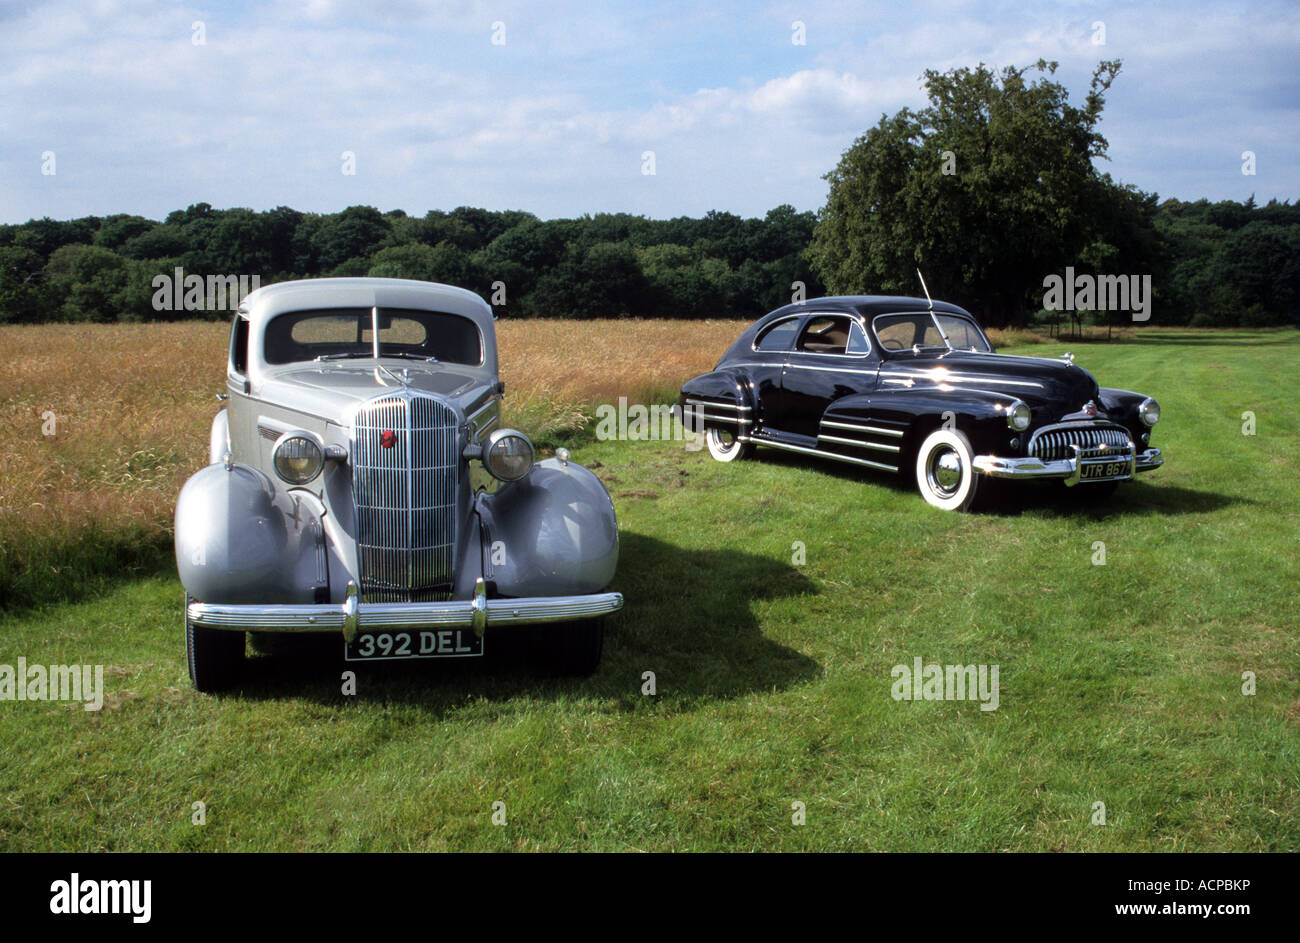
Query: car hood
(333, 390)
(1059, 386)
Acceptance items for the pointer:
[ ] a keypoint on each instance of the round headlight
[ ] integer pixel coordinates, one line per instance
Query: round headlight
(1149, 411)
(509, 455)
(1018, 416)
(297, 458)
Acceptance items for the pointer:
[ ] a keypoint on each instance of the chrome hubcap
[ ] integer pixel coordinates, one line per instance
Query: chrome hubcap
(945, 471)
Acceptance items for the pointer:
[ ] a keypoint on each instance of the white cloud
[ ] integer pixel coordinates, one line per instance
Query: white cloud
(555, 121)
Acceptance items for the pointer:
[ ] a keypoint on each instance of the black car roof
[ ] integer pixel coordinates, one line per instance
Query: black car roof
(867, 305)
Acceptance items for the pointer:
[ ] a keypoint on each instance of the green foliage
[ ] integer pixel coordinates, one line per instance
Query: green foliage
(987, 190)
(1224, 263)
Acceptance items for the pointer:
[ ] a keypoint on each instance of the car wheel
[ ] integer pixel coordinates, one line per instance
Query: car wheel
(945, 470)
(570, 648)
(724, 446)
(214, 656)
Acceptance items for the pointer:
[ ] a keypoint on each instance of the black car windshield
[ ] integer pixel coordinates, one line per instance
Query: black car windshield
(923, 330)
(344, 333)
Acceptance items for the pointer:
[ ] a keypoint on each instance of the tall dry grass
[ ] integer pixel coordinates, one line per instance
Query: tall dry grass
(129, 407)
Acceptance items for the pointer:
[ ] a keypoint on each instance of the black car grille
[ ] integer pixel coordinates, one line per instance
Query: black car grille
(405, 497)
(1054, 442)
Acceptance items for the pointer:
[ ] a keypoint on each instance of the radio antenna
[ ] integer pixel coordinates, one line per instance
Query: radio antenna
(924, 289)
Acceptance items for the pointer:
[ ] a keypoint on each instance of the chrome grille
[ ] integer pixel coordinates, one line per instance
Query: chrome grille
(406, 498)
(1053, 443)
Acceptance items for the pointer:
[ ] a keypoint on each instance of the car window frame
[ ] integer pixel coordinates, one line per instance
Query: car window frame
(478, 328)
(933, 318)
(854, 319)
(768, 329)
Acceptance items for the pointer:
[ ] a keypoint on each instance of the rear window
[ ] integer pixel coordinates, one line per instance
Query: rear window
(779, 336)
(349, 332)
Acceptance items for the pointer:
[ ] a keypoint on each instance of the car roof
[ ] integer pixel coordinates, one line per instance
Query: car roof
(867, 305)
(304, 294)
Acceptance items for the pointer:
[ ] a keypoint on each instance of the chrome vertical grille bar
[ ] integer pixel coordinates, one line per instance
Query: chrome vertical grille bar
(406, 497)
(1054, 443)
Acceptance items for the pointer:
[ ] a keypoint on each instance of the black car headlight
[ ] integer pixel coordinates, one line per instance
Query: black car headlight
(297, 458)
(1149, 411)
(508, 455)
(1018, 415)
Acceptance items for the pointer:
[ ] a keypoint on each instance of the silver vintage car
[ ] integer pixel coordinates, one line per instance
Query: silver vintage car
(359, 485)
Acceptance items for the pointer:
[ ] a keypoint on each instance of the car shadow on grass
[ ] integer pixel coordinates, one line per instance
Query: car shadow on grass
(689, 617)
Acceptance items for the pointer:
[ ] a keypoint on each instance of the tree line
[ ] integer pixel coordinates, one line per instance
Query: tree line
(990, 190)
(607, 265)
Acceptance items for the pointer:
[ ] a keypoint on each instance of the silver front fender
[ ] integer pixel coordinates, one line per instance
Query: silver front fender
(553, 533)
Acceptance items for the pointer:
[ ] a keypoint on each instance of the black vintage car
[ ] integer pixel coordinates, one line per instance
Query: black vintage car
(913, 386)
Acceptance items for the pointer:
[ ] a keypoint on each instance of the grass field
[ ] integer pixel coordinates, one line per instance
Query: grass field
(1119, 683)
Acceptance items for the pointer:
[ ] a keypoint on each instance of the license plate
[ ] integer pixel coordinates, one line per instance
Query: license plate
(416, 643)
(1103, 471)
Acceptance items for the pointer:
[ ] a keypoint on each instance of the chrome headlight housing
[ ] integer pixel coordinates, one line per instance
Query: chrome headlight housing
(1018, 415)
(297, 457)
(508, 455)
(1149, 411)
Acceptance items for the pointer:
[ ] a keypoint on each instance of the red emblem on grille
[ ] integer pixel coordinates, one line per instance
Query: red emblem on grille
(1090, 409)
(387, 438)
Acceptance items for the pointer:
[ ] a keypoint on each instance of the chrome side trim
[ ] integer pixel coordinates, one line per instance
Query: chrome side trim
(981, 381)
(698, 415)
(873, 430)
(878, 446)
(806, 451)
(377, 616)
(701, 402)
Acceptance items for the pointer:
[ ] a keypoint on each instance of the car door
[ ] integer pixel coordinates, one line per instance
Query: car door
(831, 358)
(765, 364)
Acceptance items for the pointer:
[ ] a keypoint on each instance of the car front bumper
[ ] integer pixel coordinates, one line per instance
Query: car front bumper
(353, 617)
(1067, 469)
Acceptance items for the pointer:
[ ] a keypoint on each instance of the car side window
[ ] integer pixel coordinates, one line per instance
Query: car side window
(779, 336)
(858, 343)
(239, 345)
(825, 334)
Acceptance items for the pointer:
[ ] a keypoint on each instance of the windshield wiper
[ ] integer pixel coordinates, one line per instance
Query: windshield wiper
(344, 356)
(408, 355)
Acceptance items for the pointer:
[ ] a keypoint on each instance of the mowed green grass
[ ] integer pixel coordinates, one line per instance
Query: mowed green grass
(1119, 684)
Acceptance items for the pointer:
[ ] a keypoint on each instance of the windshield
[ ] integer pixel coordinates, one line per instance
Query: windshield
(929, 330)
(343, 333)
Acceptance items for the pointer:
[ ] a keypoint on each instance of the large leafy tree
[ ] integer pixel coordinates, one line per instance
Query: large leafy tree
(988, 190)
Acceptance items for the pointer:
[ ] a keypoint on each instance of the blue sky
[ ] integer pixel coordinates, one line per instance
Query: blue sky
(555, 121)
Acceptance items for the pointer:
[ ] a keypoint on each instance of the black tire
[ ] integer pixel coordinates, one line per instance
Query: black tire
(214, 656)
(570, 648)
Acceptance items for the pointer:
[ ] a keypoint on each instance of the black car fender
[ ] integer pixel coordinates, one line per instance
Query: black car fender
(981, 415)
(722, 398)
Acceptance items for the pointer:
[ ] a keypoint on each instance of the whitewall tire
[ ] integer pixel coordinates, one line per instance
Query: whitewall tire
(945, 470)
(724, 446)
